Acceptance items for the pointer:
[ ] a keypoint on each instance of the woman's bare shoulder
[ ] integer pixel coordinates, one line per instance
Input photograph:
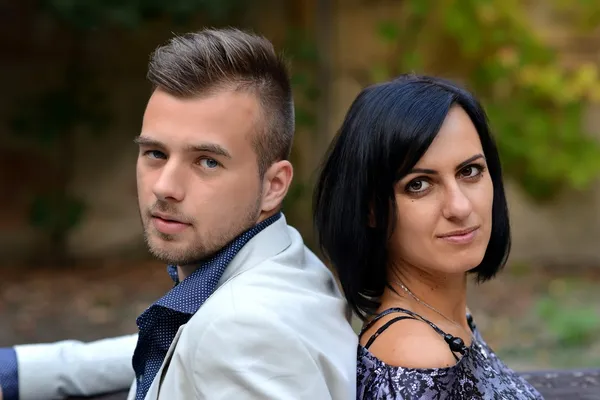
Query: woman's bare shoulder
(409, 343)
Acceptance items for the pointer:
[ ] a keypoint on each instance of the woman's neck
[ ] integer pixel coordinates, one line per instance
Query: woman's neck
(446, 294)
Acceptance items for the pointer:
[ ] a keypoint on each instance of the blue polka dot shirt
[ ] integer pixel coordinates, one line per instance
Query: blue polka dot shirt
(9, 373)
(159, 324)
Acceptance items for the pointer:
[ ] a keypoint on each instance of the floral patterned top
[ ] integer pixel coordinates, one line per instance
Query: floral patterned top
(479, 374)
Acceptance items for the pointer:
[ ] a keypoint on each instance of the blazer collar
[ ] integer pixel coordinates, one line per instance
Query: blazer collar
(269, 242)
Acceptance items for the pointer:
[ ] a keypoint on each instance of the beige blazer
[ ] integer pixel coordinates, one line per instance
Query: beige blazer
(275, 328)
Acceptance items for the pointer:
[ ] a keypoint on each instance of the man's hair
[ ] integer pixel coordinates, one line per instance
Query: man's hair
(204, 62)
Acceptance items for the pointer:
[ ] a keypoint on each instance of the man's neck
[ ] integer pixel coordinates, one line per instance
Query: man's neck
(183, 271)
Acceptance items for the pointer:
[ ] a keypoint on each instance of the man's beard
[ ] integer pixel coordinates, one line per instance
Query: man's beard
(204, 245)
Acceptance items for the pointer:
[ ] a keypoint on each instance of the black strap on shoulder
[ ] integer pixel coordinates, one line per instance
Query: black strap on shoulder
(384, 327)
(456, 344)
(381, 315)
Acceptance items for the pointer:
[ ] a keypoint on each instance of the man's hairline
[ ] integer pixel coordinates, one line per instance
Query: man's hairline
(234, 86)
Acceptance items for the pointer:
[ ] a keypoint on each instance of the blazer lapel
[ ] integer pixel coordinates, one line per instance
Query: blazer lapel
(157, 382)
(271, 241)
(274, 239)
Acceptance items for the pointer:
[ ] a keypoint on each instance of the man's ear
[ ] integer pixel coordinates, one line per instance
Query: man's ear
(276, 183)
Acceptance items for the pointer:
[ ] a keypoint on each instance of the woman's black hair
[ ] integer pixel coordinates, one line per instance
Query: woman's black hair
(387, 129)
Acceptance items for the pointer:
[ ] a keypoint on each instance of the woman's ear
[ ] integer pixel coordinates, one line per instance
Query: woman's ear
(371, 218)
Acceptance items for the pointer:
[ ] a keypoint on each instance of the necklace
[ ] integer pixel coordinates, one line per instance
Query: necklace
(431, 308)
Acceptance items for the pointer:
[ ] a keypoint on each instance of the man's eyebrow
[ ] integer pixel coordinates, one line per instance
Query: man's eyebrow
(202, 147)
(146, 141)
(209, 148)
(434, 172)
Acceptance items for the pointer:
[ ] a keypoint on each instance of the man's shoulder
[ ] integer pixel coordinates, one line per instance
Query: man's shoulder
(272, 288)
(284, 293)
(277, 282)
(266, 316)
(285, 305)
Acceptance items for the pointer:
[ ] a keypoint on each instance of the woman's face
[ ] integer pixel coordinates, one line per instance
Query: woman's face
(444, 205)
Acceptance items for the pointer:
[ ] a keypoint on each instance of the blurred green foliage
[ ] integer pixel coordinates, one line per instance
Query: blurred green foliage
(569, 312)
(94, 14)
(52, 120)
(301, 51)
(534, 102)
(569, 326)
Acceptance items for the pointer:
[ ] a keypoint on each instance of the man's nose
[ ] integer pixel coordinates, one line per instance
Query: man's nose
(169, 186)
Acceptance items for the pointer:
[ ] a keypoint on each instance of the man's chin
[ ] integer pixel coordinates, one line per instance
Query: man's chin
(173, 253)
(159, 237)
(167, 257)
(163, 249)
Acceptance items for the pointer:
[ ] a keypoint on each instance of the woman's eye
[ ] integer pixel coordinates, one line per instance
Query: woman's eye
(209, 163)
(470, 171)
(417, 186)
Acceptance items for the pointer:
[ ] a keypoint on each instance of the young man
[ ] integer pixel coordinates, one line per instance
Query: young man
(254, 314)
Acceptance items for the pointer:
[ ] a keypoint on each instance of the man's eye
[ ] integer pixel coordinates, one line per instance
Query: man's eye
(155, 154)
(209, 163)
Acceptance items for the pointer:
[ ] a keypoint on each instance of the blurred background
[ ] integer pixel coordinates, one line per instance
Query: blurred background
(72, 260)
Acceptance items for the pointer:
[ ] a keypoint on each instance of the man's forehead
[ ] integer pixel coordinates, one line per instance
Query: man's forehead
(226, 100)
(228, 119)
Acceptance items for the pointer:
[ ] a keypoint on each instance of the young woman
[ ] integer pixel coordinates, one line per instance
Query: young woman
(409, 202)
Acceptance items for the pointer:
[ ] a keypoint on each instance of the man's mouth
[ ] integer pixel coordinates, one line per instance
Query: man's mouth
(168, 224)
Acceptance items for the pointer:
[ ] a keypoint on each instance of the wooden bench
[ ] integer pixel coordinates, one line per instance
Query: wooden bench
(568, 385)
(553, 385)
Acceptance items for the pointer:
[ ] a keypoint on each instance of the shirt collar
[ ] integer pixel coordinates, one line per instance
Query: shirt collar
(188, 295)
(172, 270)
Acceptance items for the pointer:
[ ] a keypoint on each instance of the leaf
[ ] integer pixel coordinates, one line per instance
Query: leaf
(305, 117)
(388, 31)
(419, 7)
(379, 73)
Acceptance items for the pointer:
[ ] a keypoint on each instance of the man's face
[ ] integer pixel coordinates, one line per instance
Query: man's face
(197, 173)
